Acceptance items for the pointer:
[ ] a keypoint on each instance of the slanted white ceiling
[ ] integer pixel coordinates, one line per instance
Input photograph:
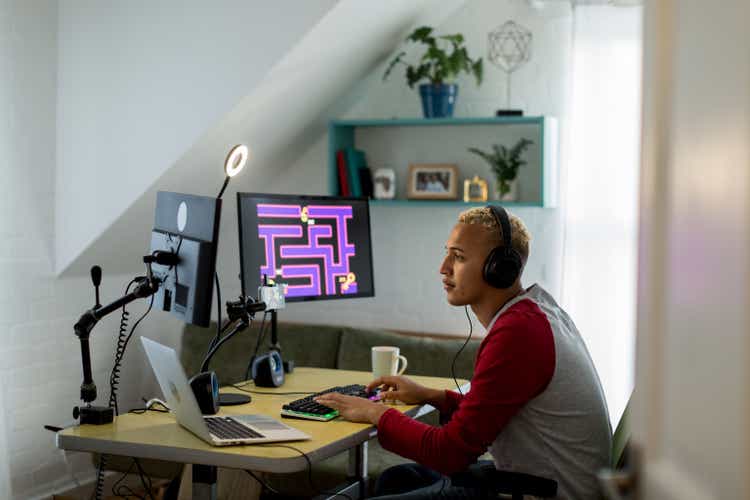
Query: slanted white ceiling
(278, 109)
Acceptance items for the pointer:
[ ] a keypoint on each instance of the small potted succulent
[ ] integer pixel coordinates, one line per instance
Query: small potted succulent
(505, 164)
(440, 68)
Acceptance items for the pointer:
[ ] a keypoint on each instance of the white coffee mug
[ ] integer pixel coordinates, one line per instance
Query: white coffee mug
(385, 361)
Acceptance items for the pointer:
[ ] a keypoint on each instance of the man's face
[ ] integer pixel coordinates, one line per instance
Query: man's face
(466, 250)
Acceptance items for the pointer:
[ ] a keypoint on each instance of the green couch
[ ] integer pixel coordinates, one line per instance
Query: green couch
(327, 346)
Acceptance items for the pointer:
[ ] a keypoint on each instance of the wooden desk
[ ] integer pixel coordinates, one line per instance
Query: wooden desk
(159, 436)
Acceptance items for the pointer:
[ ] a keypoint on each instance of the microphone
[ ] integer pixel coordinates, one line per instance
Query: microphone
(96, 278)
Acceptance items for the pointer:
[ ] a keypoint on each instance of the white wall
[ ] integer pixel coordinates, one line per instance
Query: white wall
(279, 118)
(408, 241)
(40, 361)
(140, 81)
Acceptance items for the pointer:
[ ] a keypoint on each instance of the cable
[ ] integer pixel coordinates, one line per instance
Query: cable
(309, 469)
(132, 331)
(453, 365)
(114, 376)
(149, 487)
(126, 491)
(177, 253)
(239, 386)
(261, 335)
(99, 485)
(117, 489)
(238, 328)
(218, 313)
(150, 407)
(263, 483)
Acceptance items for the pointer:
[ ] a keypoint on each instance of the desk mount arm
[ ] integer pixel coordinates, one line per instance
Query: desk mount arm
(145, 287)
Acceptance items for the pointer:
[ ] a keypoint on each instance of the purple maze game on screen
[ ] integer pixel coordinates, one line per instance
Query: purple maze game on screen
(308, 248)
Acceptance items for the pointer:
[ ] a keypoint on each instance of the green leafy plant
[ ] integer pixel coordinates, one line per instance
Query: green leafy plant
(504, 162)
(436, 64)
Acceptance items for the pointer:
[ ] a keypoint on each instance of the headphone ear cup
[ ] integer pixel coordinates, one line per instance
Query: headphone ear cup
(502, 267)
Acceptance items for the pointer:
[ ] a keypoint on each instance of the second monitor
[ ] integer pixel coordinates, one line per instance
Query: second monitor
(315, 247)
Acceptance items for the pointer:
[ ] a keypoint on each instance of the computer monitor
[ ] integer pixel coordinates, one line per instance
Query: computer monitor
(188, 226)
(315, 247)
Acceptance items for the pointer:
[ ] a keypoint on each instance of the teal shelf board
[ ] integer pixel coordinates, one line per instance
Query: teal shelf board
(448, 203)
(405, 122)
(383, 145)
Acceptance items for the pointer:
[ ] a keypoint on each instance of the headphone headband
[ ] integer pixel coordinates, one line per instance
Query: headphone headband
(502, 219)
(504, 263)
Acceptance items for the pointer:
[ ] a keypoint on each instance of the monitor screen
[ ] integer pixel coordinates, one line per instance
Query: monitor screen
(315, 247)
(188, 226)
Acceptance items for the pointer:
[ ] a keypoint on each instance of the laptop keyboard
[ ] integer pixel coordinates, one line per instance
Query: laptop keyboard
(228, 428)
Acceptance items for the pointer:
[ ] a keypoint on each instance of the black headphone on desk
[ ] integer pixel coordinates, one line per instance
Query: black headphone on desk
(504, 263)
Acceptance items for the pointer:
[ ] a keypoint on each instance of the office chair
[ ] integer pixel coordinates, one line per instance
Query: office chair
(617, 481)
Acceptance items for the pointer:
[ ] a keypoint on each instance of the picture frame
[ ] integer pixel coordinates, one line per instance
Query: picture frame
(433, 181)
(475, 189)
(384, 180)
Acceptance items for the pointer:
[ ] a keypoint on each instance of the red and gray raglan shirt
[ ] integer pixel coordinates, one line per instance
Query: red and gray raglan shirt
(536, 404)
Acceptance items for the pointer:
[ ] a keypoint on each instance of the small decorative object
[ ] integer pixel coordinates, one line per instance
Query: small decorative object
(509, 49)
(436, 181)
(505, 164)
(440, 68)
(475, 189)
(385, 184)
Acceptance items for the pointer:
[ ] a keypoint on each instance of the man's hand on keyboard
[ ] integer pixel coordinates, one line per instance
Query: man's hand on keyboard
(400, 388)
(353, 408)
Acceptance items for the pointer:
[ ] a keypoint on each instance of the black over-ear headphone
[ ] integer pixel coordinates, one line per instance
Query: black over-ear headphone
(503, 264)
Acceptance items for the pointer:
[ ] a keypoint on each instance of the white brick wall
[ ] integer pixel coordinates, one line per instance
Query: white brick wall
(40, 362)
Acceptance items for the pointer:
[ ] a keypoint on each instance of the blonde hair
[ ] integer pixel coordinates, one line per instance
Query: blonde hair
(520, 236)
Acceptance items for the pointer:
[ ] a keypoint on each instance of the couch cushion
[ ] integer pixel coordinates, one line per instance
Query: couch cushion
(231, 360)
(426, 356)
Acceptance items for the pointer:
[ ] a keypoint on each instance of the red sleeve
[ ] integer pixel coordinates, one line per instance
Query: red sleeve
(452, 400)
(515, 363)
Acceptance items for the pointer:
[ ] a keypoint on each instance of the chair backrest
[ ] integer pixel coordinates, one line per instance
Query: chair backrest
(621, 438)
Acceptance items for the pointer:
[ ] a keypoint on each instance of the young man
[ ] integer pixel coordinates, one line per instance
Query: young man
(535, 401)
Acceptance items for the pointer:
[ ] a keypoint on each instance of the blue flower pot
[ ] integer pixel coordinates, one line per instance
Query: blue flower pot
(438, 99)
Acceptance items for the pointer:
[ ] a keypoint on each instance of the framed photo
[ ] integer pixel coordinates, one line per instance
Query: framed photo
(475, 189)
(433, 181)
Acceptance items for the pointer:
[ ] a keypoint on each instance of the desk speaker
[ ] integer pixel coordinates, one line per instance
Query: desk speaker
(268, 370)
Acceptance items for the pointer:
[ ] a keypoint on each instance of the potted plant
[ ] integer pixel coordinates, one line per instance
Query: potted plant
(505, 164)
(440, 68)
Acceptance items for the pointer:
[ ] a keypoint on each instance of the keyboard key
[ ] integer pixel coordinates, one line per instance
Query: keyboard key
(228, 428)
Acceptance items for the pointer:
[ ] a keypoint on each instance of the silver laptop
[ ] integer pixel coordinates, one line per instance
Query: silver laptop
(215, 430)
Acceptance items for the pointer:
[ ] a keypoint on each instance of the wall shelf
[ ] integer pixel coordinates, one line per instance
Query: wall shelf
(395, 143)
(437, 203)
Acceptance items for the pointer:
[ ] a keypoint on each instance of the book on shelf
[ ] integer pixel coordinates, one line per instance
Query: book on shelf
(354, 158)
(343, 173)
(365, 180)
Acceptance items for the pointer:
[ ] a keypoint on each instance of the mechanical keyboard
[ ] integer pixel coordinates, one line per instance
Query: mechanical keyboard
(307, 408)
